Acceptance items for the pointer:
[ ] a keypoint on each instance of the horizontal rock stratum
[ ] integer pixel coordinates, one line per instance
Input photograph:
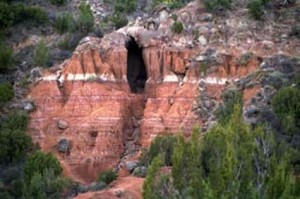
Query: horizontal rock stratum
(117, 93)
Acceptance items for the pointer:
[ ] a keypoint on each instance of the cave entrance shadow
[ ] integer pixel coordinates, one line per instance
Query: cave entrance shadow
(136, 70)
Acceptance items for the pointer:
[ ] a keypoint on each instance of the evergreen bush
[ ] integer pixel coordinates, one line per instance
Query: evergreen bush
(107, 176)
(6, 92)
(14, 145)
(6, 58)
(119, 20)
(217, 4)
(41, 54)
(286, 104)
(38, 162)
(177, 27)
(58, 2)
(255, 9)
(86, 18)
(65, 23)
(231, 161)
(161, 145)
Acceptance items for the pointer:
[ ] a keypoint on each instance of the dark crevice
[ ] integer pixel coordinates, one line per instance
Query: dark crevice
(136, 70)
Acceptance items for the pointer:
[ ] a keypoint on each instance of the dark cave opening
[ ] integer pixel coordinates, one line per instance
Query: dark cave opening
(136, 70)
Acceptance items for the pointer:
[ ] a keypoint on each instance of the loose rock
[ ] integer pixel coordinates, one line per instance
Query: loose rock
(61, 124)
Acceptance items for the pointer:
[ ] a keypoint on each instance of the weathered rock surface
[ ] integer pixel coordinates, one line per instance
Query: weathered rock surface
(106, 119)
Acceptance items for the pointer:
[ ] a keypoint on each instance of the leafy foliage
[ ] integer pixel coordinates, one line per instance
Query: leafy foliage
(6, 58)
(255, 9)
(149, 188)
(170, 3)
(70, 41)
(41, 171)
(65, 23)
(177, 27)
(286, 104)
(215, 4)
(19, 13)
(161, 145)
(14, 145)
(45, 185)
(119, 20)
(86, 18)
(230, 98)
(14, 142)
(15, 120)
(58, 2)
(6, 92)
(34, 14)
(107, 176)
(125, 6)
(232, 161)
(39, 162)
(41, 54)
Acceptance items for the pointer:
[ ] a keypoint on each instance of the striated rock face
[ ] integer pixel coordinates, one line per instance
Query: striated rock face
(116, 94)
(88, 101)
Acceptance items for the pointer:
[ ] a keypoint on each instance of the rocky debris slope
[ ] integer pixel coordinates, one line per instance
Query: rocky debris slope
(98, 106)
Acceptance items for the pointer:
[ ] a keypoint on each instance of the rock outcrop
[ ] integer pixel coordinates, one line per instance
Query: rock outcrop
(113, 100)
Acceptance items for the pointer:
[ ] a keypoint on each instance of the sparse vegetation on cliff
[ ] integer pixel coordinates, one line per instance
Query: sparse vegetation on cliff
(255, 8)
(107, 176)
(170, 3)
(58, 2)
(6, 58)
(161, 145)
(86, 18)
(6, 92)
(231, 161)
(217, 4)
(65, 23)
(286, 105)
(36, 176)
(15, 13)
(41, 54)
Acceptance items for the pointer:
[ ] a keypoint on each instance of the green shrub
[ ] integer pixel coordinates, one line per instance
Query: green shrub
(161, 145)
(65, 23)
(58, 2)
(119, 20)
(6, 92)
(39, 162)
(14, 145)
(70, 41)
(286, 104)
(14, 141)
(230, 98)
(150, 188)
(5, 195)
(215, 4)
(177, 27)
(43, 185)
(11, 14)
(6, 15)
(35, 14)
(170, 3)
(6, 58)
(125, 6)
(107, 176)
(41, 54)
(15, 120)
(255, 9)
(86, 18)
(231, 161)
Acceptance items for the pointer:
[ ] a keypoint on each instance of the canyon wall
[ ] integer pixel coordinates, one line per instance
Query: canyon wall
(86, 102)
(90, 118)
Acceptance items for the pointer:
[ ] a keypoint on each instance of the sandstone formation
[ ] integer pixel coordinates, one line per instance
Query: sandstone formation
(114, 98)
